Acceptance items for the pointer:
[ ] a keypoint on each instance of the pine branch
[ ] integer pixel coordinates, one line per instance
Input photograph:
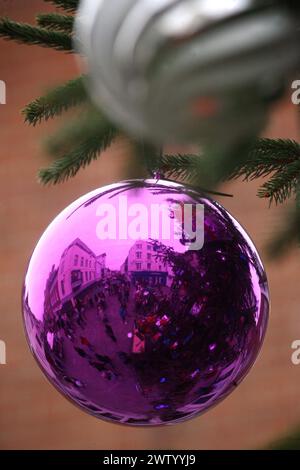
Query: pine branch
(67, 5)
(267, 156)
(179, 166)
(95, 136)
(282, 184)
(218, 162)
(150, 155)
(209, 168)
(56, 22)
(72, 133)
(186, 168)
(69, 165)
(27, 34)
(56, 101)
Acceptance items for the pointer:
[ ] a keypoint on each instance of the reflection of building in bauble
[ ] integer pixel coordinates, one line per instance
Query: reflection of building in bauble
(144, 263)
(101, 270)
(78, 267)
(52, 303)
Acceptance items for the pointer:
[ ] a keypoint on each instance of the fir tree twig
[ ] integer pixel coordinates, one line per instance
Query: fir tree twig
(267, 156)
(279, 158)
(74, 131)
(56, 22)
(186, 167)
(150, 154)
(33, 35)
(67, 5)
(282, 184)
(95, 135)
(56, 101)
(179, 166)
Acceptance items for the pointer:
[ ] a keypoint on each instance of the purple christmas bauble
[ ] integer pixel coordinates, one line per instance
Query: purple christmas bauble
(145, 303)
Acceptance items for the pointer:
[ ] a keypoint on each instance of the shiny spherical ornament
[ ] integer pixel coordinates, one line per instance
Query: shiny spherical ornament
(187, 70)
(145, 303)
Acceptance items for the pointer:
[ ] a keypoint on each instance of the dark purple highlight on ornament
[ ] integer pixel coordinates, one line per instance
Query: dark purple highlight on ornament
(146, 331)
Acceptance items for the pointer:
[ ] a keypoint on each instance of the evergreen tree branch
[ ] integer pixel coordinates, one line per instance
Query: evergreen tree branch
(33, 35)
(179, 166)
(56, 22)
(279, 158)
(70, 164)
(186, 167)
(282, 184)
(267, 156)
(96, 134)
(56, 101)
(150, 155)
(67, 5)
(72, 133)
(219, 162)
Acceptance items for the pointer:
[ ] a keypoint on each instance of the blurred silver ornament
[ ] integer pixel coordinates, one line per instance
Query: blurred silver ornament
(188, 70)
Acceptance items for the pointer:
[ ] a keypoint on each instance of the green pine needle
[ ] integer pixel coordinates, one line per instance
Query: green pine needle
(33, 35)
(279, 158)
(56, 22)
(74, 132)
(56, 101)
(282, 184)
(69, 165)
(267, 156)
(186, 168)
(179, 166)
(150, 155)
(67, 5)
(93, 137)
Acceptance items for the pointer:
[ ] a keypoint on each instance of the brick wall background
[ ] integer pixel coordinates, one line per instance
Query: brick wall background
(32, 414)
